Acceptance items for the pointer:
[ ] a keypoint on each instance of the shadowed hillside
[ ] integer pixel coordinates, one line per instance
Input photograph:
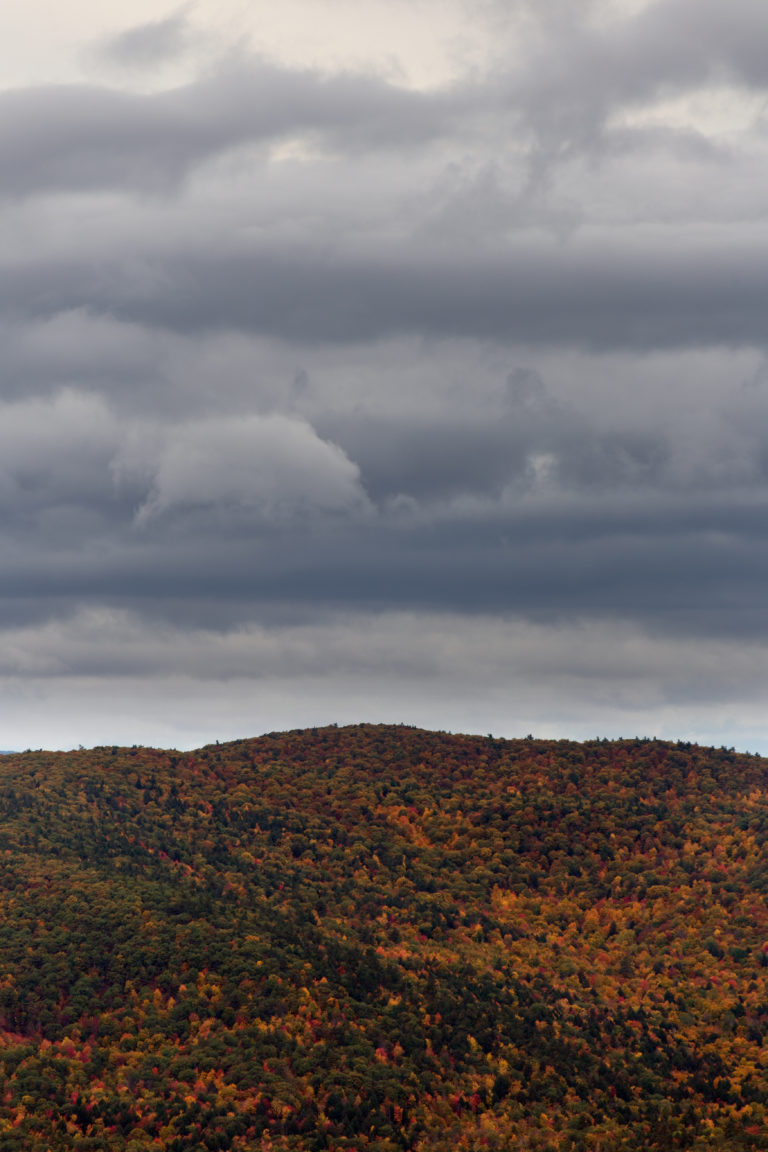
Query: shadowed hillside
(378, 937)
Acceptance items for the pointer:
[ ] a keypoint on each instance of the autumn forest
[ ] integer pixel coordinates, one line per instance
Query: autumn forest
(382, 938)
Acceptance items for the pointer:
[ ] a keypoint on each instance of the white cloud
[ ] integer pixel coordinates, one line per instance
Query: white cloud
(277, 466)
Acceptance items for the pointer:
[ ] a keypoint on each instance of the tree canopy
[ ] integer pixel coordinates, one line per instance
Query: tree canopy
(382, 938)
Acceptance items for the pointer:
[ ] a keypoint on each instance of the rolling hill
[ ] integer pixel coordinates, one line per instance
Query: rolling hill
(382, 938)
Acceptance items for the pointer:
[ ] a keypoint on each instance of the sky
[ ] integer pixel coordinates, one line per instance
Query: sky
(383, 360)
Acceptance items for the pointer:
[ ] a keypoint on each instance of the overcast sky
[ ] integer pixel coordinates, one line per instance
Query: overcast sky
(388, 360)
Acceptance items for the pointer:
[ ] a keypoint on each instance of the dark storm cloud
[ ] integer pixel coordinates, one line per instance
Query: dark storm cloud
(487, 452)
(528, 507)
(591, 294)
(684, 569)
(587, 295)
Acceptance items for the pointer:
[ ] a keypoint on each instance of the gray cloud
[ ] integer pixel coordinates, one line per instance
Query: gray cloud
(272, 466)
(152, 43)
(87, 138)
(585, 295)
(446, 671)
(554, 103)
(520, 502)
(578, 73)
(316, 384)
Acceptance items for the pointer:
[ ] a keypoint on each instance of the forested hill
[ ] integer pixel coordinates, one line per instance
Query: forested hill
(383, 938)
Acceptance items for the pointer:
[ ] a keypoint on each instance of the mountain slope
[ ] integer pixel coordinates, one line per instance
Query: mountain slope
(378, 937)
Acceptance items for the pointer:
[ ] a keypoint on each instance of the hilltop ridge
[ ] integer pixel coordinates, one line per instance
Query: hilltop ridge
(381, 937)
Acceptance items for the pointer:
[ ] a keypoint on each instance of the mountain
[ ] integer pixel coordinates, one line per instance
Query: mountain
(383, 938)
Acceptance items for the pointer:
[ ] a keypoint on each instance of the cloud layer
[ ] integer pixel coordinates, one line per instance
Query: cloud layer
(355, 393)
